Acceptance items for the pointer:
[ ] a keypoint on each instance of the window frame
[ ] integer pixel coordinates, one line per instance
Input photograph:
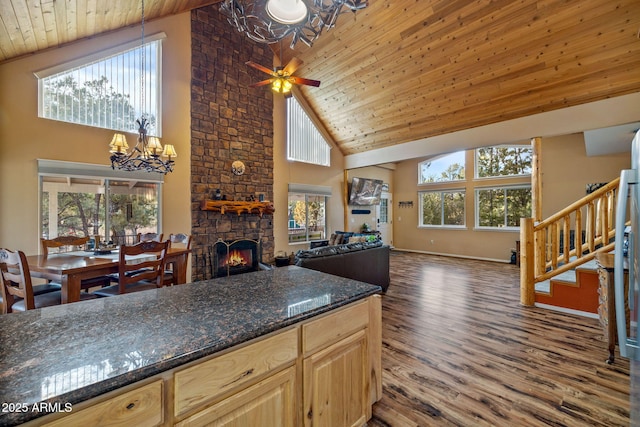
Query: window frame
(505, 188)
(476, 154)
(324, 232)
(440, 157)
(442, 225)
(103, 173)
(304, 137)
(105, 55)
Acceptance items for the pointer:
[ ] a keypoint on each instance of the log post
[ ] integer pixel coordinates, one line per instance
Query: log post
(536, 179)
(527, 256)
(345, 199)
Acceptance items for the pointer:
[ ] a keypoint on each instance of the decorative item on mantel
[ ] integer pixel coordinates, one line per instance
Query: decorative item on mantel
(237, 167)
(146, 154)
(251, 207)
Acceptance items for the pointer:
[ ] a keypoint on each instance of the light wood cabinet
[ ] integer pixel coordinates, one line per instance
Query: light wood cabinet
(325, 371)
(139, 407)
(211, 380)
(336, 386)
(269, 403)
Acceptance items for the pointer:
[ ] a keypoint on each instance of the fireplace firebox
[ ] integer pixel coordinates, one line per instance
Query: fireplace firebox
(236, 257)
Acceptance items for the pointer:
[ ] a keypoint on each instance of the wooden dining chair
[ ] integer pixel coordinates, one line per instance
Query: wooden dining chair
(63, 244)
(17, 288)
(138, 276)
(179, 240)
(146, 237)
(73, 243)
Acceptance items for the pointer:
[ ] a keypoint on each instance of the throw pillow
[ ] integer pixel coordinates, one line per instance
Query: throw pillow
(332, 239)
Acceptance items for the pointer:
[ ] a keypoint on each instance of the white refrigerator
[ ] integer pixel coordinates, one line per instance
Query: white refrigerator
(628, 209)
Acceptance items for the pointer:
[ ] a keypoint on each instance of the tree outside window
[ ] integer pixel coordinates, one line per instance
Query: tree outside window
(79, 206)
(502, 207)
(442, 208)
(306, 217)
(105, 92)
(447, 168)
(503, 161)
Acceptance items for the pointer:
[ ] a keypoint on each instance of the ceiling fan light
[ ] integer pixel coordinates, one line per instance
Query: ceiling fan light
(276, 86)
(287, 12)
(286, 86)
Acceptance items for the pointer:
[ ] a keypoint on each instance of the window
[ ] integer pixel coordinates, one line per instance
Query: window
(105, 90)
(447, 168)
(306, 217)
(89, 200)
(502, 207)
(503, 161)
(442, 208)
(304, 142)
(307, 212)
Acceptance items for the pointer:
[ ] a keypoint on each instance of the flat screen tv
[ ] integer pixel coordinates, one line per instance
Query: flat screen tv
(365, 191)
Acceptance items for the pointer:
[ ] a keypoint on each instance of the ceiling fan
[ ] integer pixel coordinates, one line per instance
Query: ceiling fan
(282, 78)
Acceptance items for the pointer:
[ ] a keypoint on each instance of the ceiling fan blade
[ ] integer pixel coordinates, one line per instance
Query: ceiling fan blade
(260, 67)
(293, 65)
(262, 83)
(303, 81)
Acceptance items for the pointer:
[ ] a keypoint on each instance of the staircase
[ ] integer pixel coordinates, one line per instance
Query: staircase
(557, 259)
(574, 291)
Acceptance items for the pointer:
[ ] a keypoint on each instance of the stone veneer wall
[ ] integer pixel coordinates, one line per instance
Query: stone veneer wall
(229, 121)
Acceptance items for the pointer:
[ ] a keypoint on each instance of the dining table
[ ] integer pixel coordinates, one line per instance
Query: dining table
(70, 268)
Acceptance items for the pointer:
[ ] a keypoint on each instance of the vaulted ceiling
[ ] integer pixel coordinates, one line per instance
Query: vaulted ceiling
(404, 70)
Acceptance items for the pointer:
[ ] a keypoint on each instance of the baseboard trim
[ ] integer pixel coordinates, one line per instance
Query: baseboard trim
(453, 255)
(567, 310)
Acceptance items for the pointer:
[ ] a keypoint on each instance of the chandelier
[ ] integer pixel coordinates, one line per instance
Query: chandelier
(148, 154)
(269, 21)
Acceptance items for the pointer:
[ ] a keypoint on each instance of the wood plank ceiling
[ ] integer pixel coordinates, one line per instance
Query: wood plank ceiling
(403, 70)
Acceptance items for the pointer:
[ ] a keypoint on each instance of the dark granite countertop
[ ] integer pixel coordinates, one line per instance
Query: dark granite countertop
(70, 353)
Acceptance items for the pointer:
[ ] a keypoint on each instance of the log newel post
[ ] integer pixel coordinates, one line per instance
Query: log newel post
(527, 257)
(345, 199)
(536, 179)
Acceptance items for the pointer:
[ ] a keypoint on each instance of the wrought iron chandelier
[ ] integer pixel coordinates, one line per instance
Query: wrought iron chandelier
(147, 155)
(269, 21)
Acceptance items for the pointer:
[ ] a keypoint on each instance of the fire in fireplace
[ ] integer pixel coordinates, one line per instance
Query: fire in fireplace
(236, 257)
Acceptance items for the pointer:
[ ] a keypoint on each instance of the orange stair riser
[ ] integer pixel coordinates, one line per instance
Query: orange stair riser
(582, 296)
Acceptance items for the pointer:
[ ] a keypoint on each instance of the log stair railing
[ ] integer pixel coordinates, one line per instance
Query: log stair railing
(542, 257)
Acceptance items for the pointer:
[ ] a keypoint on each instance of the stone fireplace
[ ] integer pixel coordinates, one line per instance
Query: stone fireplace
(229, 122)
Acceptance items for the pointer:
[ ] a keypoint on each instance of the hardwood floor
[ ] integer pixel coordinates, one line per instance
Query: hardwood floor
(459, 350)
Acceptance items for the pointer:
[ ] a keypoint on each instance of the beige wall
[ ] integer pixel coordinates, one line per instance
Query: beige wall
(565, 172)
(24, 137)
(286, 172)
(355, 221)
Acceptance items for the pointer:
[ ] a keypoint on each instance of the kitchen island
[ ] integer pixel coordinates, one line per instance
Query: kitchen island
(287, 346)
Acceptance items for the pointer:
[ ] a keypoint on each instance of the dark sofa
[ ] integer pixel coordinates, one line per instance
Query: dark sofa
(364, 261)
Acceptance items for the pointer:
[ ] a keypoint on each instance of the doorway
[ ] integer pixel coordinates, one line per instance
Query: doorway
(384, 217)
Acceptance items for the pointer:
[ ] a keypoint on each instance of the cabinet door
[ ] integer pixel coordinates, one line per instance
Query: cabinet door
(206, 382)
(140, 407)
(336, 384)
(269, 403)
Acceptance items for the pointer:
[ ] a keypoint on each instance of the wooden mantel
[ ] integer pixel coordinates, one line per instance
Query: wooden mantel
(224, 206)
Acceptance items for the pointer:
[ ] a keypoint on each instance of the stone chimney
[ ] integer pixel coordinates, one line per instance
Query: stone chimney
(229, 122)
